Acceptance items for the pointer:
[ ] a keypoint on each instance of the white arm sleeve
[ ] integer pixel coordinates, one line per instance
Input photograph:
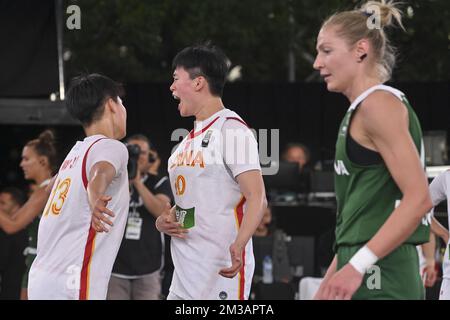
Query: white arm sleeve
(111, 151)
(240, 149)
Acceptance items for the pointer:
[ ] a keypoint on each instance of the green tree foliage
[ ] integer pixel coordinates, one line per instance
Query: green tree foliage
(135, 40)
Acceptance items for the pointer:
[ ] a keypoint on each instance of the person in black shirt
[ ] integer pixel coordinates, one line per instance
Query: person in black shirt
(12, 260)
(155, 162)
(137, 270)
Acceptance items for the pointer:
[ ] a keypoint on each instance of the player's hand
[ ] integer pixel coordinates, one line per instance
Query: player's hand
(167, 223)
(236, 262)
(319, 293)
(429, 274)
(100, 214)
(343, 284)
(137, 179)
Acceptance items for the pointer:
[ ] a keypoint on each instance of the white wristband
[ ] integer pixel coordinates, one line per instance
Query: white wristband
(363, 260)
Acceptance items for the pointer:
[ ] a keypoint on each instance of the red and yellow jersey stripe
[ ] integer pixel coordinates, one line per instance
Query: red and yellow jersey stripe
(239, 215)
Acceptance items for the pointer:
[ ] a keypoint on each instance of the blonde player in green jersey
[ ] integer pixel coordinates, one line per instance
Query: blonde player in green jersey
(381, 188)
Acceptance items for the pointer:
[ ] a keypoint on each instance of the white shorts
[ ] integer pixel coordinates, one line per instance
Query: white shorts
(445, 290)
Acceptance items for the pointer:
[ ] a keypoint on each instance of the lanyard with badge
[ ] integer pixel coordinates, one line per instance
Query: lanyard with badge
(134, 225)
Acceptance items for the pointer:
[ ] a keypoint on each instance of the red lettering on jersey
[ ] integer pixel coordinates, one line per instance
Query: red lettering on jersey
(69, 163)
(185, 158)
(74, 161)
(198, 160)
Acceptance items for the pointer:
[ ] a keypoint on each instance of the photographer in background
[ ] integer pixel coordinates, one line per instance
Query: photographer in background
(167, 271)
(155, 162)
(137, 269)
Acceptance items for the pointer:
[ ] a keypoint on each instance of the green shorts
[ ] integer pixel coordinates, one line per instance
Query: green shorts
(396, 276)
(28, 262)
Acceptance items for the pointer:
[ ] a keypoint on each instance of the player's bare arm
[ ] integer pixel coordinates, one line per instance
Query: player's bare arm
(101, 175)
(330, 272)
(438, 229)
(388, 129)
(26, 214)
(252, 188)
(429, 272)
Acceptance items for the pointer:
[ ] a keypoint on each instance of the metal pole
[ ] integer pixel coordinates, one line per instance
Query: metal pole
(291, 63)
(291, 54)
(59, 41)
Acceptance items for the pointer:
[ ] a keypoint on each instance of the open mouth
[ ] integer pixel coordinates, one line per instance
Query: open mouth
(326, 76)
(177, 98)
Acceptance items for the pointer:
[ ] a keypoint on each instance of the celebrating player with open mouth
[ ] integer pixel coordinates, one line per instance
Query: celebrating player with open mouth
(219, 197)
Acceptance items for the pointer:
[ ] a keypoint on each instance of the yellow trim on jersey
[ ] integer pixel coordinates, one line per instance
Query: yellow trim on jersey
(237, 227)
(88, 277)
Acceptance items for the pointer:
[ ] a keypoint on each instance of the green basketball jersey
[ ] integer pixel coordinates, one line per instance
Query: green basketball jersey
(33, 232)
(367, 195)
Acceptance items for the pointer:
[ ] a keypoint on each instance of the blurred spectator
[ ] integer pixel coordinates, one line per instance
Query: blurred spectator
(167, 272)
(137, 269)
(299, 153)
(154, 161)
(39, 163)
(265, 225)
(12, 260)
(269, 241)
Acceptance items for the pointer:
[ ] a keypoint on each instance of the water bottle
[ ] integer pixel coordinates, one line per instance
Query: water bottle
(267, 270)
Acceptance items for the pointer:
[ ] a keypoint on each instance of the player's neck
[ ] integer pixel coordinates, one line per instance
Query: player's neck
(208, 108)
(42, 176)
(99, 128)
(358, 86)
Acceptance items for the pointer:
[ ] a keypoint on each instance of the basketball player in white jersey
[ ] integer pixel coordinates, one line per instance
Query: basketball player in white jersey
(217, 184)
(440, 191)
(73, 261)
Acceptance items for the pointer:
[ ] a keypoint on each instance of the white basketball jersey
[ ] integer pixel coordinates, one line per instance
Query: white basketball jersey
(73, 261)
(211, 205)
(440, 191)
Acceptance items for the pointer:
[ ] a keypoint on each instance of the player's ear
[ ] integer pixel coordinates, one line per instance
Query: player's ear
(43, 161)
(199, 83)
(361, 49)
(110, 105)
